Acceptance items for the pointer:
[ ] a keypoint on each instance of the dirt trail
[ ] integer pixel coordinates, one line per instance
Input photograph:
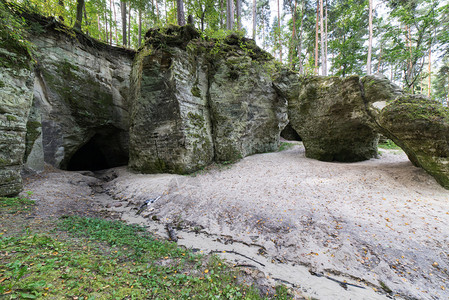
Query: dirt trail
(332, 230)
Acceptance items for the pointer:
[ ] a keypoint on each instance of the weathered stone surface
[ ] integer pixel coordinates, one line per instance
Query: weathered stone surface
(247, 113)
(421, 128)
(377, 92)
(16, 94)
(329, 114)
(197, 101)
(171, 129)
(81, 91)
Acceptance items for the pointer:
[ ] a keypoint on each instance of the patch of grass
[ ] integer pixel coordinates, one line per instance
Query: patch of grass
(285, 146)
(389, 144)
(102, 259)
(15, 204)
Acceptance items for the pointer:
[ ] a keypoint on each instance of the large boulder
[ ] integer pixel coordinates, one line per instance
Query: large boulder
(329, 115)
(420, 126)
(196, 101)
(16, 94)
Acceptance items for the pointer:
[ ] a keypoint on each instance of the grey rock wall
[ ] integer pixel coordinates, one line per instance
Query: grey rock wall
(16, 94)
(80, 92)
(171, 128)
(199, 101)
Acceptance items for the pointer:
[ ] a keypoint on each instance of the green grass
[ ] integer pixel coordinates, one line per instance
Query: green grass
(285, 146)
(389, 144)
(15, 204)
(100, 259)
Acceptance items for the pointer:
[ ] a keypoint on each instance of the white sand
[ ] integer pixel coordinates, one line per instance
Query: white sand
(378, 220)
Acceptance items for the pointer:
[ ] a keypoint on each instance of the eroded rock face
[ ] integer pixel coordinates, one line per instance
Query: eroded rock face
(247, 113)
(16, 94)
(329, 115)
(80, 92)
(421, 128)
(171, 128)
(196, 102)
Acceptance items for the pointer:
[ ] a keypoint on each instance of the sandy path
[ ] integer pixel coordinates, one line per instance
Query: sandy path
(377, 221)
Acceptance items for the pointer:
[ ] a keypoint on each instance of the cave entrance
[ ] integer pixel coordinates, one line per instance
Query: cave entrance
(104, 150)
(290, 134)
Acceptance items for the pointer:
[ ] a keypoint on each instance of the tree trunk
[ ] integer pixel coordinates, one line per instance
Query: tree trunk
(180, 11)
(221, 13)
(129, 26)
(157, 11)
(293, 39)
(229, 14)
(254, 19)
(447, 100)
(85, 18)
(410, 64)
(391, 72)
(115, 21)
(316, 36)
(139, 42)
(323, 62)
(380, 60)
(239, 14)
(370, 40)
(203, 15)
(301, 69)
(62, 7)
(106, 27)
(325, 40)
(430, 71)
(79, 14)
(123, 11)
(279, 33)
(98, 23)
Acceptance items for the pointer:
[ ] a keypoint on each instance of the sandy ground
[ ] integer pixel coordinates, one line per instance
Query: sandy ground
(332, 230)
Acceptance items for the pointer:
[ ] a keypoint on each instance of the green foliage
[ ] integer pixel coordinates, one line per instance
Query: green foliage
(16, 204)
(118, 234)
(13, 37)
(348, 37)
(285, 146)
(389, 144)
(97, 261)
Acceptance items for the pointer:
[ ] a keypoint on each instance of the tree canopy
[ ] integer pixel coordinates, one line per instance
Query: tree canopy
(409, 44)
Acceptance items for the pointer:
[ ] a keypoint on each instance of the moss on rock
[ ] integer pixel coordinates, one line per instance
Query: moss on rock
(421, 128)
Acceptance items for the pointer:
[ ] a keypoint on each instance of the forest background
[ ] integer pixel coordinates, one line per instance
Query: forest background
(405, 40)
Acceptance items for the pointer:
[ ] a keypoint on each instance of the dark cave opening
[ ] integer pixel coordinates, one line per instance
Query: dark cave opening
(103, 151)
(290, 134)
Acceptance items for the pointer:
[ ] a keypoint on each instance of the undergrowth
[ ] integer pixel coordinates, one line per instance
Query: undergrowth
(101, 259)
(285, 146)
(15, 204)
(389, 144)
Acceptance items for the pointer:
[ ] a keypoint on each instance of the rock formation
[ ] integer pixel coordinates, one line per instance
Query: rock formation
(197, 101)
(81, 89)
(421, 128)
(16, 93)
(338, 120)
(329, 115)
(183, 102)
